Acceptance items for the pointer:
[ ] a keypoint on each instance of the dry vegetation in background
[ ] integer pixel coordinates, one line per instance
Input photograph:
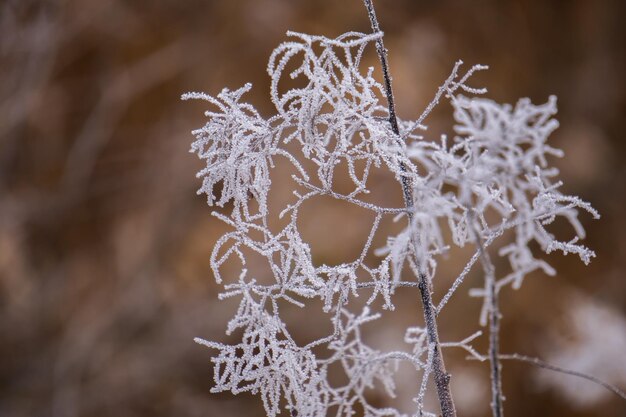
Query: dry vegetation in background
(104, 276)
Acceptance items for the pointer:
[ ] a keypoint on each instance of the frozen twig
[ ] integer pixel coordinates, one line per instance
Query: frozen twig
(441, 376)
(491, 302)
(545, 365)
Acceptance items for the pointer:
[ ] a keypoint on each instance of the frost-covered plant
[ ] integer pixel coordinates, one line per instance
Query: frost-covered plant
(492, 177)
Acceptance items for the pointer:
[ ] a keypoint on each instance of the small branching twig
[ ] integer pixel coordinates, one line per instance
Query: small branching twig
(545, 365)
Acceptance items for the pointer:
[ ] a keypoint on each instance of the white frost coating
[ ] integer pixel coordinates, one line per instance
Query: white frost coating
(498, 164)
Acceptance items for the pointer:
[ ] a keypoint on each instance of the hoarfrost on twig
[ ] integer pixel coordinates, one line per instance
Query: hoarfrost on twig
(493, 177)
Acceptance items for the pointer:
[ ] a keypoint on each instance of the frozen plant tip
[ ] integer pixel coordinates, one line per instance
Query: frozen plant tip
(493, 177)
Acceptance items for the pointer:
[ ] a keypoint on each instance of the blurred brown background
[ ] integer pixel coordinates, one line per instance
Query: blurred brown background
(104, 246)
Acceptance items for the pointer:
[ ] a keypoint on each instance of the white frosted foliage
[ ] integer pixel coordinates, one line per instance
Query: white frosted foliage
(498, 164)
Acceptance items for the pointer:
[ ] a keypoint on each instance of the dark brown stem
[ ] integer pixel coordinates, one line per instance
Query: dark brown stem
(545, 365)
(441, 377)
(497, 408)
(494, 359)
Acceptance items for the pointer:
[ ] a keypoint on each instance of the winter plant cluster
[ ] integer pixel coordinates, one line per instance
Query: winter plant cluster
(493, 177)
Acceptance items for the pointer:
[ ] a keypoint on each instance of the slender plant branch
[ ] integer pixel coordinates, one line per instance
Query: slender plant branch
(441, 377)
(448, 87)
(545, 365)
(491, 295)
(360, 203)
(409, 284)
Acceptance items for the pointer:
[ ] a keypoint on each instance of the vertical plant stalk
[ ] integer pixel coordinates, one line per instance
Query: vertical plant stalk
(441, 377)
(493, 310)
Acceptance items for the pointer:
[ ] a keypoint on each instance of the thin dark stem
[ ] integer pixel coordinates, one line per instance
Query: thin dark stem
(382, 53)
(407, 190)
(442, 378)
(497, 408)
(494, 358)
(545, 365)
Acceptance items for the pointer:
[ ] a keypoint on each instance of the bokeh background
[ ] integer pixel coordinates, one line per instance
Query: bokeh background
(104, 245)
